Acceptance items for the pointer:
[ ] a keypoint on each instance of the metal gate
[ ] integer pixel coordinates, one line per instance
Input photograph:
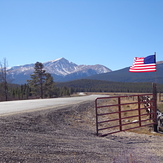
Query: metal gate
(121, 113)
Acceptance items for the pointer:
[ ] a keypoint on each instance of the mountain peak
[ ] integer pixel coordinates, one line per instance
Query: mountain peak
(61, 69)
(55, 60)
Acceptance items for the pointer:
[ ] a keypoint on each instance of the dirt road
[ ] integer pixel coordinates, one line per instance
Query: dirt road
(9, 107)
(67, 135)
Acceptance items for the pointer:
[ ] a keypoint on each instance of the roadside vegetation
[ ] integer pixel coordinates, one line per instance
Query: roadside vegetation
(41, 85)
(129, 115)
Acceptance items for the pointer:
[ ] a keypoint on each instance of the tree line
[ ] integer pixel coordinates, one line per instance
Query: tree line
(87, 85)
(41, 85)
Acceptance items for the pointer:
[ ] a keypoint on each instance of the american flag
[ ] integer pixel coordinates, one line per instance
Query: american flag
(144, 64)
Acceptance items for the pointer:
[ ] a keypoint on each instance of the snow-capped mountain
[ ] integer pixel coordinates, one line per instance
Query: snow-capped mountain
(61, 69)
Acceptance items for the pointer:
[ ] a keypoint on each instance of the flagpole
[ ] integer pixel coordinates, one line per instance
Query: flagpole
(155, 99)
(155, 53)
(156, 69)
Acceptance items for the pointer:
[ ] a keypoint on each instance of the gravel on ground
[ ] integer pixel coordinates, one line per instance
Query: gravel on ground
(68, 135)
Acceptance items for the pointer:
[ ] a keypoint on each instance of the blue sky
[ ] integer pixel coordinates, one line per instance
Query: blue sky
(107, 32)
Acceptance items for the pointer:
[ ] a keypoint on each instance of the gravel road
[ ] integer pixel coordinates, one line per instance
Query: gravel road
(9, 107)
(67, 135)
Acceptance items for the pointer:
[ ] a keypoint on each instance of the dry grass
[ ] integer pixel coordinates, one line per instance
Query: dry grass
(128, 119)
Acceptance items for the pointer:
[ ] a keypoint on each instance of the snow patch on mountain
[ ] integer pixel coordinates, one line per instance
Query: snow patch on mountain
(59, 69)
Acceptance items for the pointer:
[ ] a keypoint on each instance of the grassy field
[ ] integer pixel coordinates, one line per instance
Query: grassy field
(129, 114)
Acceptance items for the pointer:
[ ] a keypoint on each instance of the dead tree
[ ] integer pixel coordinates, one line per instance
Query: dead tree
(3, 78)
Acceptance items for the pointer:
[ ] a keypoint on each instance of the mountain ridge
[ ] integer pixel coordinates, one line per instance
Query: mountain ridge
(123, 75)
(61, 69)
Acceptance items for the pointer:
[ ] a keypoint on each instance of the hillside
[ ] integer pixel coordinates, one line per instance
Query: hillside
(88, 85)
(123, 75)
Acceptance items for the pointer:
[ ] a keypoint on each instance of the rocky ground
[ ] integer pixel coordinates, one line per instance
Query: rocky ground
(68, 135)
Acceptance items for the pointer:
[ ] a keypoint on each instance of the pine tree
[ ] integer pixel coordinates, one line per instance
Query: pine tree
(41, 83)
(37, 80)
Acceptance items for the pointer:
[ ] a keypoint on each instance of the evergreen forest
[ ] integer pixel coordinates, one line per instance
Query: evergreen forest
(87, 85)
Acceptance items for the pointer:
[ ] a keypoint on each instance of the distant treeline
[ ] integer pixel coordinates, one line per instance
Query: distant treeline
(86, 85)
(40, 85)
(22, 92)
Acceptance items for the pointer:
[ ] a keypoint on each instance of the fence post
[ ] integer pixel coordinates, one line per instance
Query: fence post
(160, 97)
(119, 108)
(139, 112)
(96, 117)
(155, 107)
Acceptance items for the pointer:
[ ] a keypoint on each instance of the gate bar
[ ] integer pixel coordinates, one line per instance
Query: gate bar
(155, 107)
(139, 102)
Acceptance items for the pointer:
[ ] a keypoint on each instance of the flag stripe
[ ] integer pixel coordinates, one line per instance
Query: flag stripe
(149, 70)
(144, 64)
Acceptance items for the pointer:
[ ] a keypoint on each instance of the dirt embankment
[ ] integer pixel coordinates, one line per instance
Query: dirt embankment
(68, 135)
